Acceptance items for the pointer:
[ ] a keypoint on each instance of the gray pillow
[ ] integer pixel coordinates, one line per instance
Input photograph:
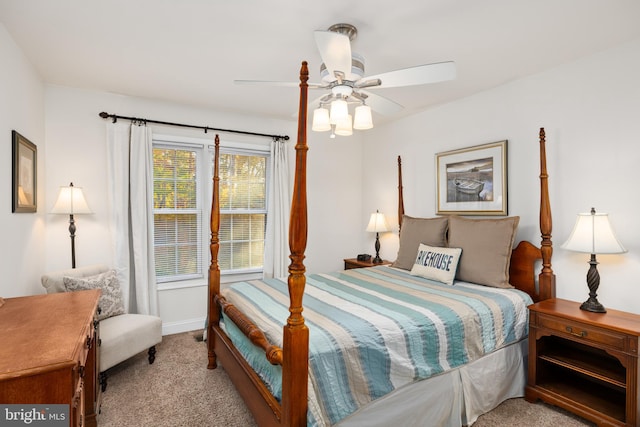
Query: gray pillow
(486, 249)
(429, 231)
(111, 297)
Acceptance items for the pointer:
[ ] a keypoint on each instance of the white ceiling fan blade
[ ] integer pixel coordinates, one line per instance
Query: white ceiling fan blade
(380, 104)
(277, 83)
(321, 99)
(335, 51)
(314, 104)
(419, 75)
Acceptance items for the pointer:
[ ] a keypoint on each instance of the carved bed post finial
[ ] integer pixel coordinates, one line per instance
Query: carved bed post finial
(400, 196)
(546, 278)
(214, 268)
(296, 334)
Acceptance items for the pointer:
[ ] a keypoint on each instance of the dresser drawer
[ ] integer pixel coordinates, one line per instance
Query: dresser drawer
(581, 331)
(85, 345)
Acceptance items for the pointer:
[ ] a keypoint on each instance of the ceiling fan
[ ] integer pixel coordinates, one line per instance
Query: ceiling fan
(342, 74)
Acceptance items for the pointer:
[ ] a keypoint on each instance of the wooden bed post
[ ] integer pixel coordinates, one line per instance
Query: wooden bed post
(295, 368)
(400, 196)
(214, 268)
(546, 279)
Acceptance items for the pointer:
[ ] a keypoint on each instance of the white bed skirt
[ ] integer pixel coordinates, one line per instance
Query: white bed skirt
(453, 399)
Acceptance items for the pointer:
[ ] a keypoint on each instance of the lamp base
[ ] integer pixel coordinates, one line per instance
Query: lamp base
(377, 259)
(593, 281)
(593, 305)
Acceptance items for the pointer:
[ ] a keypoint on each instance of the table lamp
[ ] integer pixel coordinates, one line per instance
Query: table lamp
(593, 234)
(377, 224)
(71, 201)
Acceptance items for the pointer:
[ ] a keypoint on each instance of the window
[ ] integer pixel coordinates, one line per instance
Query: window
(182, 173)
(177, 213)
(243, 211)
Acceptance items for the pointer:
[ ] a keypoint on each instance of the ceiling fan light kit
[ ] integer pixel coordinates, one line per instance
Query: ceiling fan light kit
(343, 127)
(320, 120)
(363, 119)
(342, 73)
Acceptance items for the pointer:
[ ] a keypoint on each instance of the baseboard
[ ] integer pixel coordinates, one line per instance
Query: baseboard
(170, 328)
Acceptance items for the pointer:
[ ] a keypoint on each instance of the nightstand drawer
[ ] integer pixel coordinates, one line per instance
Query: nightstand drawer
(583, 332)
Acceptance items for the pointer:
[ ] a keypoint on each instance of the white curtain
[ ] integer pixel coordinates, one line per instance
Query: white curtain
(276, 252)
(130, 194)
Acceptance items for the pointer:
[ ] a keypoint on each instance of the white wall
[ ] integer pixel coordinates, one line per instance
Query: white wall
(76, 139)
(22, 109)
(590, 110)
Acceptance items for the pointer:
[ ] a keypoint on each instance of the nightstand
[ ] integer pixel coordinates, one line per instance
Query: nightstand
(584, 362)
(350, 263)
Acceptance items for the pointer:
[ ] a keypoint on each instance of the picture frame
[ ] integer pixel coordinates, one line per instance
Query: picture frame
(472, 180)
(24, 195)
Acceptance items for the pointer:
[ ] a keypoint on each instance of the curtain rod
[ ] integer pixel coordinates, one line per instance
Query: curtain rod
(115, 117)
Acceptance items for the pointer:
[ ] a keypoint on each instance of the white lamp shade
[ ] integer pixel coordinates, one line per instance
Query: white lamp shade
(593, 234)
(362, 119)
(339, 111)
(343, 127)
(71, 201)
(377, 223)
(321, 120)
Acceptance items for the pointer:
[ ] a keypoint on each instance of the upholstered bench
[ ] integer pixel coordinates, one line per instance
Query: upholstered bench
(121, 335)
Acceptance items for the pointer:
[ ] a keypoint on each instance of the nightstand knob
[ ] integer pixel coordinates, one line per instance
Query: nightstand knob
(582, 334)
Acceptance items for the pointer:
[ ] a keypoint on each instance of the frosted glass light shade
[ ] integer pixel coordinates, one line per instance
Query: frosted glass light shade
(71, 201)
(320, 120)
(593, 234)
(362, 119)
(343, 127)
(339, 111)
(377, 223)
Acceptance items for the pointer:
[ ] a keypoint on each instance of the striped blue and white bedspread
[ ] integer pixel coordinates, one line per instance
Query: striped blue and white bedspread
(373, 330)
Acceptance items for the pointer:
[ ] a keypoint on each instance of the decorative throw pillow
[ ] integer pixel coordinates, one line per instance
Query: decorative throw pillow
(414, 231)
(111, 297)
(486, 247)
(437, 263)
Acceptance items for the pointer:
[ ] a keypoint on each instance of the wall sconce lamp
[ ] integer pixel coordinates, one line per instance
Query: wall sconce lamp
(592, 233)
(377, 224)
(71, 201)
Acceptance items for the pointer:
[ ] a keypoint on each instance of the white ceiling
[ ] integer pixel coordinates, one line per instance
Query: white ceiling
(190, 51)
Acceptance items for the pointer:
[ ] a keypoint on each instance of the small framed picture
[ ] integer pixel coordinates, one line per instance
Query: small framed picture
(473, 180)
(24, 182)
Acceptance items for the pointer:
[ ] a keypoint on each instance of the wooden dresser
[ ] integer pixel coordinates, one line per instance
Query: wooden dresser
(48, 352)
(584, 362)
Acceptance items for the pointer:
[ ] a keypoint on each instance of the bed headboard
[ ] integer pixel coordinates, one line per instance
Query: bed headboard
(525, 256)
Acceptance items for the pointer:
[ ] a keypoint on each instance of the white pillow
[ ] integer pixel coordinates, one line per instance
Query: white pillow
(436, 263)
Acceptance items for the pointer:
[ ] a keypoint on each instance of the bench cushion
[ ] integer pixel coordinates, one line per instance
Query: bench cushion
(126, 335)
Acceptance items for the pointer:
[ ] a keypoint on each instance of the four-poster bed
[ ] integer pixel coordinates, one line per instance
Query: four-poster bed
(289, 390)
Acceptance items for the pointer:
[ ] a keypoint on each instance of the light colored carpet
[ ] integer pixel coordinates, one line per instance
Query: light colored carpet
(179, 391)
